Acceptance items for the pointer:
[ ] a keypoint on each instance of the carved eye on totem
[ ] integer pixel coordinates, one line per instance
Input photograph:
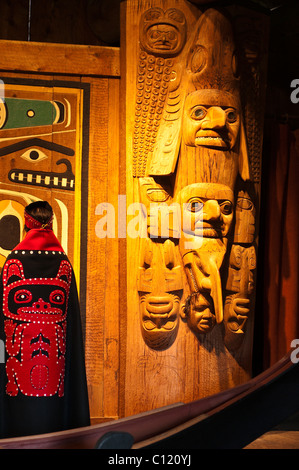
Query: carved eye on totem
(199, 113)
(194, 205)
(156, 34)
(226, 207)
(57, 297)
(231, 115)
(34, 155)
(22, 296)
(244, 204)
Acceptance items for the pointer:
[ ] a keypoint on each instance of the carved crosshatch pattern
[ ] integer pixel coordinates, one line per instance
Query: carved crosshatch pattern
(196, 150)
(162, 37)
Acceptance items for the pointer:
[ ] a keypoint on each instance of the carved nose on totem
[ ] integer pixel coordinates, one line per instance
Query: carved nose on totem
(215, 119)
(41, 305)
(211, 210)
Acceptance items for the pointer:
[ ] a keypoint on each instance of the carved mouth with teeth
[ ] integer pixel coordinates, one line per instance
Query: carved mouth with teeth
(45, 179)
(212, 139)
(160, 313)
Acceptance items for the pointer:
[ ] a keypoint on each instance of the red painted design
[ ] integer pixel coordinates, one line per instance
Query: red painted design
(35, 329)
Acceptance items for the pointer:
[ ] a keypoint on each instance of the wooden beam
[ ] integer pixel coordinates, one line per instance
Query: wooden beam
(59, 58)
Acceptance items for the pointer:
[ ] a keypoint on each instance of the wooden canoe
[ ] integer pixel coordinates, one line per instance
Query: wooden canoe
(230, 419)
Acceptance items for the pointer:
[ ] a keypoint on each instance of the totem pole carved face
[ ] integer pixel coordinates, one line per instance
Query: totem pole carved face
(161, 214)
(211, 119)
(203, 246)
(209, 206)
(162, 32)
(239, 286)
(245, 219)
(241, 264)
(198, 147)
(160, 289)
(159, 319)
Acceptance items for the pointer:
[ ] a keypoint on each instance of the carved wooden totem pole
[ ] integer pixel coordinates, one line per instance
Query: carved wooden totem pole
(192, 175)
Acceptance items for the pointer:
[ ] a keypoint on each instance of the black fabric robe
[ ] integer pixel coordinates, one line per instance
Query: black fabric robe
(42, 381)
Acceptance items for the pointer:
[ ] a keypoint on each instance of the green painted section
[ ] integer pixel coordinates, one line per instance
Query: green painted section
(28, 113)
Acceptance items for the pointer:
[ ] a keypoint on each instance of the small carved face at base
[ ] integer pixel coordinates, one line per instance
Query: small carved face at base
(207, 209)
(159, 319)
(211, 119)
(198, 313)
(160, 287)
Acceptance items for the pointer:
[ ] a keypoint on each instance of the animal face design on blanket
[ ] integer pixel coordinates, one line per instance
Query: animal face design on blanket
(35, 318)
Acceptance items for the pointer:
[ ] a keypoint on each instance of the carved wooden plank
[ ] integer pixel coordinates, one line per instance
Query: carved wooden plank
(96, 249)
(102, 295)
(191, 333)
(69, 58)
(113, 294)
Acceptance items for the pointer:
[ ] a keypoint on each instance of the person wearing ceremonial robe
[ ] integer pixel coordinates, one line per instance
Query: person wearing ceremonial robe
(43, 384)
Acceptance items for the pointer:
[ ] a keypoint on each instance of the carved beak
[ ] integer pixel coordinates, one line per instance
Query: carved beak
(203, 274)
(216, 291)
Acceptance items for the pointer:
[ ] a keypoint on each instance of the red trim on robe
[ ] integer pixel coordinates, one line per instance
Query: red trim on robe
(40, 239)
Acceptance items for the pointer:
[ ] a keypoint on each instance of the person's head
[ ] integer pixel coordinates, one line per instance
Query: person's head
(38, 214)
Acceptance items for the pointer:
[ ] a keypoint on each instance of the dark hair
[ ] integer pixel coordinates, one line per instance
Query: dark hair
(40, 210)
